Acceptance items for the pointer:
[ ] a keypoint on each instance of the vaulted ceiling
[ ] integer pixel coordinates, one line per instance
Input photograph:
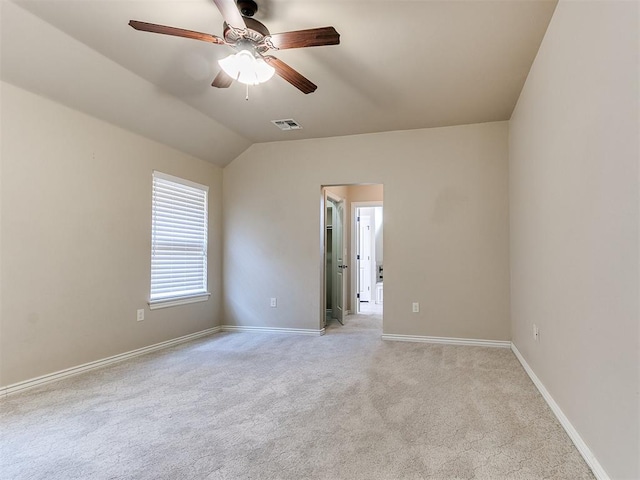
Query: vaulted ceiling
(400, 65)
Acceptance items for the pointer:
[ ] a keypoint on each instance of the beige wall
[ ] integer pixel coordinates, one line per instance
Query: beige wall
(76, 233)
(366, 193)
(445, 238)
(341, 191)
(574, 151)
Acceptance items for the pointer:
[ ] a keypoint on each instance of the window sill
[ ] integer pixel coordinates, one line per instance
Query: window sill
(173, 302)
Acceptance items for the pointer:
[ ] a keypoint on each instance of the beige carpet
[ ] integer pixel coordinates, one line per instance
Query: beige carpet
(266, 406)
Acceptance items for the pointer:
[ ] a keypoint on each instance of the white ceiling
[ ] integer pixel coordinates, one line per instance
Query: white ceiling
(400, 65)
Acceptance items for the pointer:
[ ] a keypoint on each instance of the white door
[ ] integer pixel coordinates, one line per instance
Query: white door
(364, 257)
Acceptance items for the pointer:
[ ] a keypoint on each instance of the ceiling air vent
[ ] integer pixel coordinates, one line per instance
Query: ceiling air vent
(287, 124)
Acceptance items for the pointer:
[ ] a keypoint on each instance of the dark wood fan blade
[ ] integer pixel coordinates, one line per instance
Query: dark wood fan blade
(222, 80)
(176, 32)
(290, 75)
(314, 37)
(230, 13)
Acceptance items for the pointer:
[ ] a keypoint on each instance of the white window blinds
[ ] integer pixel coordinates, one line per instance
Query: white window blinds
(178, 239)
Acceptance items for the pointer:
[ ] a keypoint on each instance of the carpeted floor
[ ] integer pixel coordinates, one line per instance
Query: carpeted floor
(265, 406)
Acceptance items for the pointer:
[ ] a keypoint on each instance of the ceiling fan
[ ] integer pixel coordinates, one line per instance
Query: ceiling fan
(252, 40)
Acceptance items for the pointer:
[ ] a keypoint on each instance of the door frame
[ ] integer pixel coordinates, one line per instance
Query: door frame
(355, 304)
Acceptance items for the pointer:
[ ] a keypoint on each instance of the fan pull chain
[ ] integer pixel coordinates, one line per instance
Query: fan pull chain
(247, 97)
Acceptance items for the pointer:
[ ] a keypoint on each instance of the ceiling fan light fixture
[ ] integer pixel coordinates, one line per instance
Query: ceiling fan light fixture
(246, 68)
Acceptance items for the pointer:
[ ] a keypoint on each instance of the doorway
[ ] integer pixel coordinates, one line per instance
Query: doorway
(368, 257)
(344, 278)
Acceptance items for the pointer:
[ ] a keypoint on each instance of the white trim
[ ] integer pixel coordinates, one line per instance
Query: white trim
(333, 196)
(173, 302)
(59, 375)
(575, 437)
(447, 340)
(182, 181)
(298, 331)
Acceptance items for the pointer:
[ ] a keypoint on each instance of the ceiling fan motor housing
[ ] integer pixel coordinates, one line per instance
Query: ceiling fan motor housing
(248, 8)
(254, 34)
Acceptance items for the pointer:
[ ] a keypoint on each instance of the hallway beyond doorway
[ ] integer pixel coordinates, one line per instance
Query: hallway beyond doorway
(370, 308)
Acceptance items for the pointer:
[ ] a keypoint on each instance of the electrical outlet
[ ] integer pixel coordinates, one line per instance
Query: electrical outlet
(536, 332)
(140, 315)
(274, 302)
(416, 307)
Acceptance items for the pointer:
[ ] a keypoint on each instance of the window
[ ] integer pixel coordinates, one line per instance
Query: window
(178, 242)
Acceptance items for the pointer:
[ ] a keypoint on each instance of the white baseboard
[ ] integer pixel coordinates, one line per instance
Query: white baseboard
(297, 331)
(447, 340)
(53, 377)
(582, 447)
